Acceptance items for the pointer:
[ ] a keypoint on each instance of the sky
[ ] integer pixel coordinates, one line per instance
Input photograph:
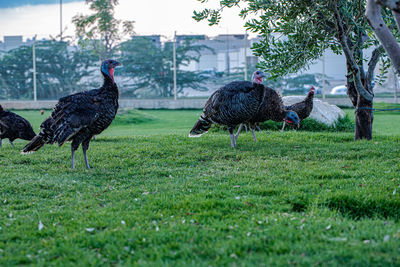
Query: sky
(42, 17)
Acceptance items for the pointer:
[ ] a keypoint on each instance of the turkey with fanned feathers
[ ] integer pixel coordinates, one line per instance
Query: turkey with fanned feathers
(303, 108)
(13, 126)
(80, 116)
(233, 104)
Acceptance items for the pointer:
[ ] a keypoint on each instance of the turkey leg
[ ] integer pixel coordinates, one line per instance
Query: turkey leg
(238, 131)
(283, 127)
(233, 140)
(72, 157)
(85, 147)
(253, 133)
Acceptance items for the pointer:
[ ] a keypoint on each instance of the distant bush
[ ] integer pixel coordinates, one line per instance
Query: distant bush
(134, 116)
(344, 124)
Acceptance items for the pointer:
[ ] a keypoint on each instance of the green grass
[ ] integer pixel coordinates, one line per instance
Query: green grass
(156, 197)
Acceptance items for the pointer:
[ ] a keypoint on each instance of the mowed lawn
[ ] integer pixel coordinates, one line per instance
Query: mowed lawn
(156, 197)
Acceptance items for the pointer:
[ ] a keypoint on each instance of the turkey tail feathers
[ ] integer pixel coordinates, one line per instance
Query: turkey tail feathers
(63, 134)
(34, 145)
(201, 127)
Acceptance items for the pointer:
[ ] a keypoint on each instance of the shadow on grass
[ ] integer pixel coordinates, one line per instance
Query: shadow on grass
(358, 207)
(298, 203)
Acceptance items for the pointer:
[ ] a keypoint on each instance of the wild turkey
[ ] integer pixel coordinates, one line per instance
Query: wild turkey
(303, 108)
(233, 104)
(13, 126)
(80, 116)
(271, 108)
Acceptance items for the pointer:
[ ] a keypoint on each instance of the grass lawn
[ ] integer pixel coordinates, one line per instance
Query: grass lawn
(156, 197)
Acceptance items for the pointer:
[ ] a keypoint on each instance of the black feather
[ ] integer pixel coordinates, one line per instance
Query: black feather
(80, 116)
(13, 126)
(232, 104)
(303, 108)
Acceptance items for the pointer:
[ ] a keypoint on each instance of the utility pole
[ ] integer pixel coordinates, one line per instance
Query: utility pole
(227, 58)
(396, 84)
(61, 20)
(174, 62)
(245, 56)
(323, 75)
(34, 69)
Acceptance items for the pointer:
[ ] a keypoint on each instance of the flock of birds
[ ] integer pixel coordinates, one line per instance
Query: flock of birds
(79, 117)
(249, 103)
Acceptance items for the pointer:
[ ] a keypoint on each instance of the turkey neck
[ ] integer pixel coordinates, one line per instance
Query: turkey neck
(309, 97)
(281, 114)
(109, 84)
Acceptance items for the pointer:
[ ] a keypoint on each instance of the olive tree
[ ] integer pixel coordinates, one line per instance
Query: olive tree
(296, 33)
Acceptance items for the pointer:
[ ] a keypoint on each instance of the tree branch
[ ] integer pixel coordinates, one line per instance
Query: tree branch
(381, 30)
(372, 63)
(358, 51)
(396, 16)
(355, 70)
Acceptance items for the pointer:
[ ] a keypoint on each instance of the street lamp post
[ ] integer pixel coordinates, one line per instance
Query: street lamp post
(245, 56)
(61, 20)
(174, 62)
(34, 69)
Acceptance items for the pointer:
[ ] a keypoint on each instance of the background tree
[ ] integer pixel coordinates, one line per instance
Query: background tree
(101, 30)
(296, 33)
(16, 75)
(149, 68)
(60, 70)
(63, 69)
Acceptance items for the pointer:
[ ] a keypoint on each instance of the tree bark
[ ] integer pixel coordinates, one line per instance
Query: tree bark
(363, 119)
(363, 114)
(359, 87)
(382, 31)
(353, 68)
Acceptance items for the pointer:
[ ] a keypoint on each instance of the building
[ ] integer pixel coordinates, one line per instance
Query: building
(189, 37)
(156, 39)
(224, 53)
(12, 42)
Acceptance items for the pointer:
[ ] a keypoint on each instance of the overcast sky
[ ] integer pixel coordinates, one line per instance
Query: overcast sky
(151, 17)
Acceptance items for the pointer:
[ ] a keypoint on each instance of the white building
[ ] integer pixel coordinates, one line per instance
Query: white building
(226, 53)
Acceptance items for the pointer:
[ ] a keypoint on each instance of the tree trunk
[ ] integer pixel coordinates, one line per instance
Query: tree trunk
(364, 119)
(363, 113)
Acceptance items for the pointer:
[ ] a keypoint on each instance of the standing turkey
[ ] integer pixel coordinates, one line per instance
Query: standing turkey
(303, 108)
(233, 104)
(13, 126)
(80, 116)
